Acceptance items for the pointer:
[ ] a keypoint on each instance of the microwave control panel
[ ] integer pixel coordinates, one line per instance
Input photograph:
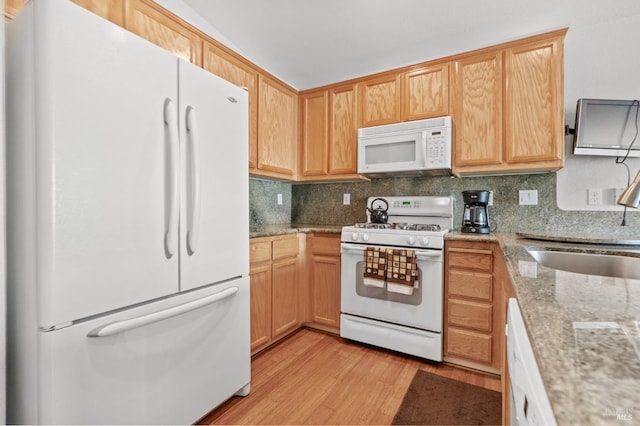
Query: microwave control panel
(437, 148)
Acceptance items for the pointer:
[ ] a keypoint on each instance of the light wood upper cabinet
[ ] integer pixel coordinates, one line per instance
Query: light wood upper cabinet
(112, 10)
(227, 66)
(425, 92)
(534, 116)
(343, 130)
(329, 134)
(477, 110)
(154, 23)
(508, 108)
(315, 137)
(12, 7)
(277, 129)
(380, 100)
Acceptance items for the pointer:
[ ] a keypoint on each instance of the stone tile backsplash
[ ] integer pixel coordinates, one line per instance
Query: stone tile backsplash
(322, 203)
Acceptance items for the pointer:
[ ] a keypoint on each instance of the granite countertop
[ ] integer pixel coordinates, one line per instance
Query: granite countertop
(584, 329)
(287, 228)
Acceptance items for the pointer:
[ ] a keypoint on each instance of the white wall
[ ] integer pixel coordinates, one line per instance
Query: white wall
(601, 61)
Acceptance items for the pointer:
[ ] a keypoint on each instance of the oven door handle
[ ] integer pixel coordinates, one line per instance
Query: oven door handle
(420, 254)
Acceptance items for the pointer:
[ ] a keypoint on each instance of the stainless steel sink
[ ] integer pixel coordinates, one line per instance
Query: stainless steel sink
(607, 265)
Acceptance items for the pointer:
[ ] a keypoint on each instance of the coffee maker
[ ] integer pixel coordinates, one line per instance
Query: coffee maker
(475, 218)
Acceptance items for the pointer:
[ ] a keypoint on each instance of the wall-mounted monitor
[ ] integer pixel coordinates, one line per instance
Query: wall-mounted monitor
(606, 127)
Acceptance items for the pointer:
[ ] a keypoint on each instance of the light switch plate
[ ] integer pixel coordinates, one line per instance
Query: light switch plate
(528, 197)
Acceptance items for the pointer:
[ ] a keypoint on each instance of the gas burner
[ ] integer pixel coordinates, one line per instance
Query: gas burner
(416, 227)
(370, 225)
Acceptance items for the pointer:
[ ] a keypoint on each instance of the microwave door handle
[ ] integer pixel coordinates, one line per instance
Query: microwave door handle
(425, 149)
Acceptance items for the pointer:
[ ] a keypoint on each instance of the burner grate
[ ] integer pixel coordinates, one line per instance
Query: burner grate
(401, 226)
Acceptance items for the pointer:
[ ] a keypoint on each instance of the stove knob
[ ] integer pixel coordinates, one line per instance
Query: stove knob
(354, 236)
(365, 237)
(411, 240)
(425, 241)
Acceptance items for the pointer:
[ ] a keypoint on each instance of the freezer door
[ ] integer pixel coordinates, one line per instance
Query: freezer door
(214, 227)
(105, 151)
(161, 371)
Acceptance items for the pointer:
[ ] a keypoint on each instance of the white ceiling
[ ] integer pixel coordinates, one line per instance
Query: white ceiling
(310, 43)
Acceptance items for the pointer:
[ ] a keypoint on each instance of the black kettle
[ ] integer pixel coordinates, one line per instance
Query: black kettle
(378, 215)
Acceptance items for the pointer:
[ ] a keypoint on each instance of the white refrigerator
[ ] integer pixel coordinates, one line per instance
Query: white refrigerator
(127, 210)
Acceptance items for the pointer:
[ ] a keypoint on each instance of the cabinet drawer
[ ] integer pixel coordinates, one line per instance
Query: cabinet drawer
(326, 245)
(463, 313)
(469, 345)
(479, 260)
(260, 251)
(475, 285)
(287, 247)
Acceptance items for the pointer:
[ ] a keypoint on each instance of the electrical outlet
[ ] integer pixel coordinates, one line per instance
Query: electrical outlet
(346, 199)
(594, 196)
(528, 197)
(279, 199)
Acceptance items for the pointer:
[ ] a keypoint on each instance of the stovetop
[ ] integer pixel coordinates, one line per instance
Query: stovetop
(432, 227)
(419, 222)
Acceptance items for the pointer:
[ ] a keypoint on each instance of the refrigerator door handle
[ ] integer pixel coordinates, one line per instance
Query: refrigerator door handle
(117, 327)
(193, 180)
(173, 203)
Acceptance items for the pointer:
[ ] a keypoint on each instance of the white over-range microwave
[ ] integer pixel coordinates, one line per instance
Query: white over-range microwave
(412, 148)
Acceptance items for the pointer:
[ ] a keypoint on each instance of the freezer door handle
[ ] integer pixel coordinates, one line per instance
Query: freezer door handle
(117, 327)
(173, 203)
(193, 180)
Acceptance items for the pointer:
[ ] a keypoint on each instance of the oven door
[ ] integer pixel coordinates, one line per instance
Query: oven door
(422, 309)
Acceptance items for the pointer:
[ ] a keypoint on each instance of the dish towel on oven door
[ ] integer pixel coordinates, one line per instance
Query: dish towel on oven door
(375, 259)
(402, 271)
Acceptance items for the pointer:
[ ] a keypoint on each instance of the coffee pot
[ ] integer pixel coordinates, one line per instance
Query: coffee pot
(475, 218)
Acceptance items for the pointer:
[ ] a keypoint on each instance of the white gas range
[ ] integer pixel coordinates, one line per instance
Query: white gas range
(392, 275)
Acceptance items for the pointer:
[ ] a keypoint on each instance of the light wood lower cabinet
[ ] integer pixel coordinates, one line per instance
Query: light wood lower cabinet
(474, 311)
(274, 288)
(324, 279)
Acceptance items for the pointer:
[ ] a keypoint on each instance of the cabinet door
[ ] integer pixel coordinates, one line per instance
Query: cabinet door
(277, 128)
(313, 118)
(534, 112)
(425, 93)
(260, 305)
(380, 101)
(326, 290)
(343, 130)
(225, 65)
(153, 23)
(112, 10)
(12, 7)
(477, 110)
(284, 314)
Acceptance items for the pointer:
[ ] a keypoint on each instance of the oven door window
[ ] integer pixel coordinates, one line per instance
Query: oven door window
(381, 292)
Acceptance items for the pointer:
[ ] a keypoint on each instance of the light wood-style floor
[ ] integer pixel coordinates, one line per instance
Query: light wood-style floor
(319, 378)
